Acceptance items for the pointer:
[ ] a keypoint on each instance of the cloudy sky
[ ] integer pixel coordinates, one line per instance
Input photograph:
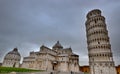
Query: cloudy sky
(28, 24)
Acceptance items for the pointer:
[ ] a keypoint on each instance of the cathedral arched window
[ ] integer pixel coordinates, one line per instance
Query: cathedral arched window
(98, 42)
(95, 21)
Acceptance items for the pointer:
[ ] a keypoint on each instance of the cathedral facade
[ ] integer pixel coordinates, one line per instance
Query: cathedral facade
(99, 47)
(55, 59)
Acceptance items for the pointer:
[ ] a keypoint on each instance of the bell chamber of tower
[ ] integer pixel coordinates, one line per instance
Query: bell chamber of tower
(99, 47)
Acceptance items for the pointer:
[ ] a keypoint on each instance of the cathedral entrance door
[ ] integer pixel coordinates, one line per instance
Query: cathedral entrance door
(54, 65)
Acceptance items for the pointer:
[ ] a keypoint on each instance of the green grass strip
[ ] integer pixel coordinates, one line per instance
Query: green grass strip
(10, 69)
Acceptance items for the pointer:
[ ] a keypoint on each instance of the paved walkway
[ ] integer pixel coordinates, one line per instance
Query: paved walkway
(46, 73)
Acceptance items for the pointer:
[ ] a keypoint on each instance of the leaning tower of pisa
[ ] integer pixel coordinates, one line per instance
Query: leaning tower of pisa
(99, 48)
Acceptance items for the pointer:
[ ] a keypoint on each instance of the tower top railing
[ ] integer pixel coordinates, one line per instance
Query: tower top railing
(93, 13)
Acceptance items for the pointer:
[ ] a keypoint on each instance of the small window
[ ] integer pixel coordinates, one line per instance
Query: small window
(98, 42)
(101, 71)
(95, 21)
(62, 58)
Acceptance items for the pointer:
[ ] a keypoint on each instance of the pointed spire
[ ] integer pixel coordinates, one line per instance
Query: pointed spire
(42, 46)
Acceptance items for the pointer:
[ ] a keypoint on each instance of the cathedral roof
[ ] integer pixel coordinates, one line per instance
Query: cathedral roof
(14, 54)
(73, 54)
(57, 45)
(63, 55)
(14, 51)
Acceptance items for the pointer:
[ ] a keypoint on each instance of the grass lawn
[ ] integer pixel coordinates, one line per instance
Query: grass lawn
(10, 69)
(86, 73)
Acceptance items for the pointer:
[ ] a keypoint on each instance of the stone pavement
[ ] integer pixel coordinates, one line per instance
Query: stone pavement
(46, 73)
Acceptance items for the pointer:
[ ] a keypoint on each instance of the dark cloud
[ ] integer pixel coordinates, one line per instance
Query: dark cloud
(27, 24)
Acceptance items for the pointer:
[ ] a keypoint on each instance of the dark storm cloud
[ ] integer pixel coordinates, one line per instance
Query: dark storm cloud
(27, 24)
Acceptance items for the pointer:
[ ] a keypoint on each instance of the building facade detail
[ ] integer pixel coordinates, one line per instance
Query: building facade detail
(99, 47)
(12, 59)
(55, 59)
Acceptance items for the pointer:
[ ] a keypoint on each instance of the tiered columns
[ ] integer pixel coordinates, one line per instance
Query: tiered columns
(99, 48)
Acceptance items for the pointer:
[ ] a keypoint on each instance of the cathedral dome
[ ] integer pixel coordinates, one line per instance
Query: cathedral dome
(58, 45)
(14, 52)
(12, 58)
